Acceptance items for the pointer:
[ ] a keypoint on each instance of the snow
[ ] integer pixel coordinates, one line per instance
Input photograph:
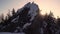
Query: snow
(41, 30)
(32, 13)
(16, 30)
(18, 27)
(3, 27)
(27, 24)
(15, 19)
(10, 33)
(33, 10)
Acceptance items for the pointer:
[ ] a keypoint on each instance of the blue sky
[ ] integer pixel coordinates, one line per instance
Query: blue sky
(7, 4)
(44, 5)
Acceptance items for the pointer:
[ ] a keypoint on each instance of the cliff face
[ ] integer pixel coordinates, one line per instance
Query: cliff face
(27, 20)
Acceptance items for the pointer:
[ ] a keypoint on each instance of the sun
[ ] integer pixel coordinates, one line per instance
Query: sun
(43, 12)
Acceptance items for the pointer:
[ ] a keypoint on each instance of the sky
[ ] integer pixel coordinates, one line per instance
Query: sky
(45, 5)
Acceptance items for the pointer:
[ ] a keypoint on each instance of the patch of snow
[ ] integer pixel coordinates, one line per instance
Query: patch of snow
(10, 33)
(16, 30)
(3, 27)
(27, 24)
(33, 11)
(18, 27)
(41, 30)
(15, 19)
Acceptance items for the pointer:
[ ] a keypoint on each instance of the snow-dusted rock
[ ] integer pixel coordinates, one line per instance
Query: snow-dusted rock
(27, 24)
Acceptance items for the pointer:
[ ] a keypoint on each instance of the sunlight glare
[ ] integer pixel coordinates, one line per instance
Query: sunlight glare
(43, 12)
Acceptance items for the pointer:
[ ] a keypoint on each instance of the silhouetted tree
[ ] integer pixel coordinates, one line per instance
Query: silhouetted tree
(58, 21)
(45, 17)
(50, 18)
(6, 18)
(13, 12)
(9, 15)
(2, 17)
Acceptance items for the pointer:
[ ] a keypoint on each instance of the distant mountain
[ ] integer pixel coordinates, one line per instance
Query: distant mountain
(28, 20)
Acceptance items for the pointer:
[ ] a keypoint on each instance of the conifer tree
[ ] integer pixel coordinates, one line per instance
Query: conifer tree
(8, 14)
(13, 12)
(2, 17)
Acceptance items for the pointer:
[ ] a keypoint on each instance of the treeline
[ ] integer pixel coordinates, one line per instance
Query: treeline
(7, 16)
(5, 21)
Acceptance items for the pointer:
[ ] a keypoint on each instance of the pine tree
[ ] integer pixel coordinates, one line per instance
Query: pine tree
(51, 14)
(2, 17)
(6, 18)
(13, 12)
(9, 15)
(58, 21)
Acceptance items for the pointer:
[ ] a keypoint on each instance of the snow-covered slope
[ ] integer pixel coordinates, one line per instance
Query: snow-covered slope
(33, 9)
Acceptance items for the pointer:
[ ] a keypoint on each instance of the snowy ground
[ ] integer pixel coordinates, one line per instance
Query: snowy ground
(10, 33)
